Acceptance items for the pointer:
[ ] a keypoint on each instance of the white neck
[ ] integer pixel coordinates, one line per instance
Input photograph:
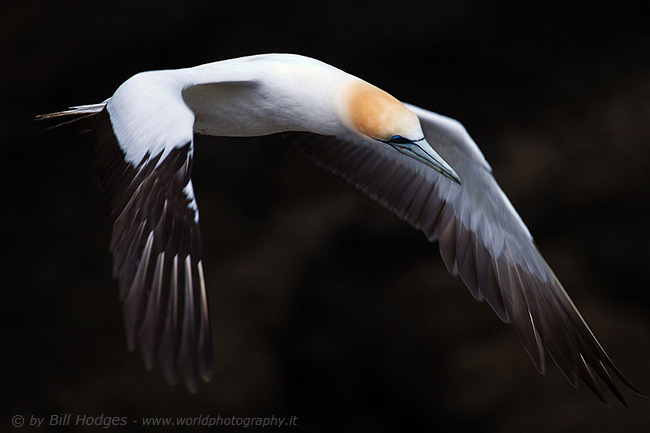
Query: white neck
(265, 95)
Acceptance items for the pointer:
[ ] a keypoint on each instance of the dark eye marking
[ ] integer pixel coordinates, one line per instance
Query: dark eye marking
(398, 139)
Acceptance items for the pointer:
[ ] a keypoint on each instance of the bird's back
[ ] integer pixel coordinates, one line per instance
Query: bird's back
(265, 94)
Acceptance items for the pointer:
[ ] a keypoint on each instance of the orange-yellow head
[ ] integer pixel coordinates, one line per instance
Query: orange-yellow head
(379, 116)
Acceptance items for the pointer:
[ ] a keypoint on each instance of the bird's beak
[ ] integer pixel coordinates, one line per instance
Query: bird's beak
(423, 152)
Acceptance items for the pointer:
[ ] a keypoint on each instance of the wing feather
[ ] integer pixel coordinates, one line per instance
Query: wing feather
(481, 238)
(157, 254)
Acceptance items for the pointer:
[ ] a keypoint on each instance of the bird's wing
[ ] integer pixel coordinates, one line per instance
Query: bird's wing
(144, 147)
(156, 244)
(481, 238)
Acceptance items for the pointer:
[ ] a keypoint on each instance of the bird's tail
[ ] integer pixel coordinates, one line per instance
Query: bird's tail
(73, 114)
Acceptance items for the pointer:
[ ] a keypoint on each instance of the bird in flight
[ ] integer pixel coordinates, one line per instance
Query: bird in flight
(421, 165)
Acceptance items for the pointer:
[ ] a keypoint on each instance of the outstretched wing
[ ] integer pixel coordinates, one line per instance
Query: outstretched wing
(481, 238)
(143, 154)
(156, 248)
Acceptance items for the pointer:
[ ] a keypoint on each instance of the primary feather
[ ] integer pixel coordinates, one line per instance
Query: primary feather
(144, 150)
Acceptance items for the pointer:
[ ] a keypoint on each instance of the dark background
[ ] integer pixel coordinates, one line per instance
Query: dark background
(324, 305)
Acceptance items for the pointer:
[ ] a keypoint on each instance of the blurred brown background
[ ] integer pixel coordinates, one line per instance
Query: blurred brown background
(324, 305)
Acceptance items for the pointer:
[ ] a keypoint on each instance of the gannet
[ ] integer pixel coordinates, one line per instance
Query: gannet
(421, 165)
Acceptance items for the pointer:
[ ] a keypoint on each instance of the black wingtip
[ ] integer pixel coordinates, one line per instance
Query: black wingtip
(207, 375)
(628, 384)
(192, 385)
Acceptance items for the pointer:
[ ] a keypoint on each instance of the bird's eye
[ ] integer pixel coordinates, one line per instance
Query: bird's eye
(398, 139)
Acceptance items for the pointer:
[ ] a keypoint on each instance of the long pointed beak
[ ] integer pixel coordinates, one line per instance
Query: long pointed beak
(423, 152)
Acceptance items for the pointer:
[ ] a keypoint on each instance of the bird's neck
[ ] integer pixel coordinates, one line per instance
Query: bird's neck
(273, 97)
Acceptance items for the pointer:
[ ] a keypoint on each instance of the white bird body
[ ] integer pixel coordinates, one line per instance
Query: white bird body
(380, 145)
(268, 95)
(250, 96)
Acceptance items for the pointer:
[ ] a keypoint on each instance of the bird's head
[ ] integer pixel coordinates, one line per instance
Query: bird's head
(379, 116)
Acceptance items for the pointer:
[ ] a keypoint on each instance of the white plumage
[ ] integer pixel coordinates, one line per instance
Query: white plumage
(421, 165)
